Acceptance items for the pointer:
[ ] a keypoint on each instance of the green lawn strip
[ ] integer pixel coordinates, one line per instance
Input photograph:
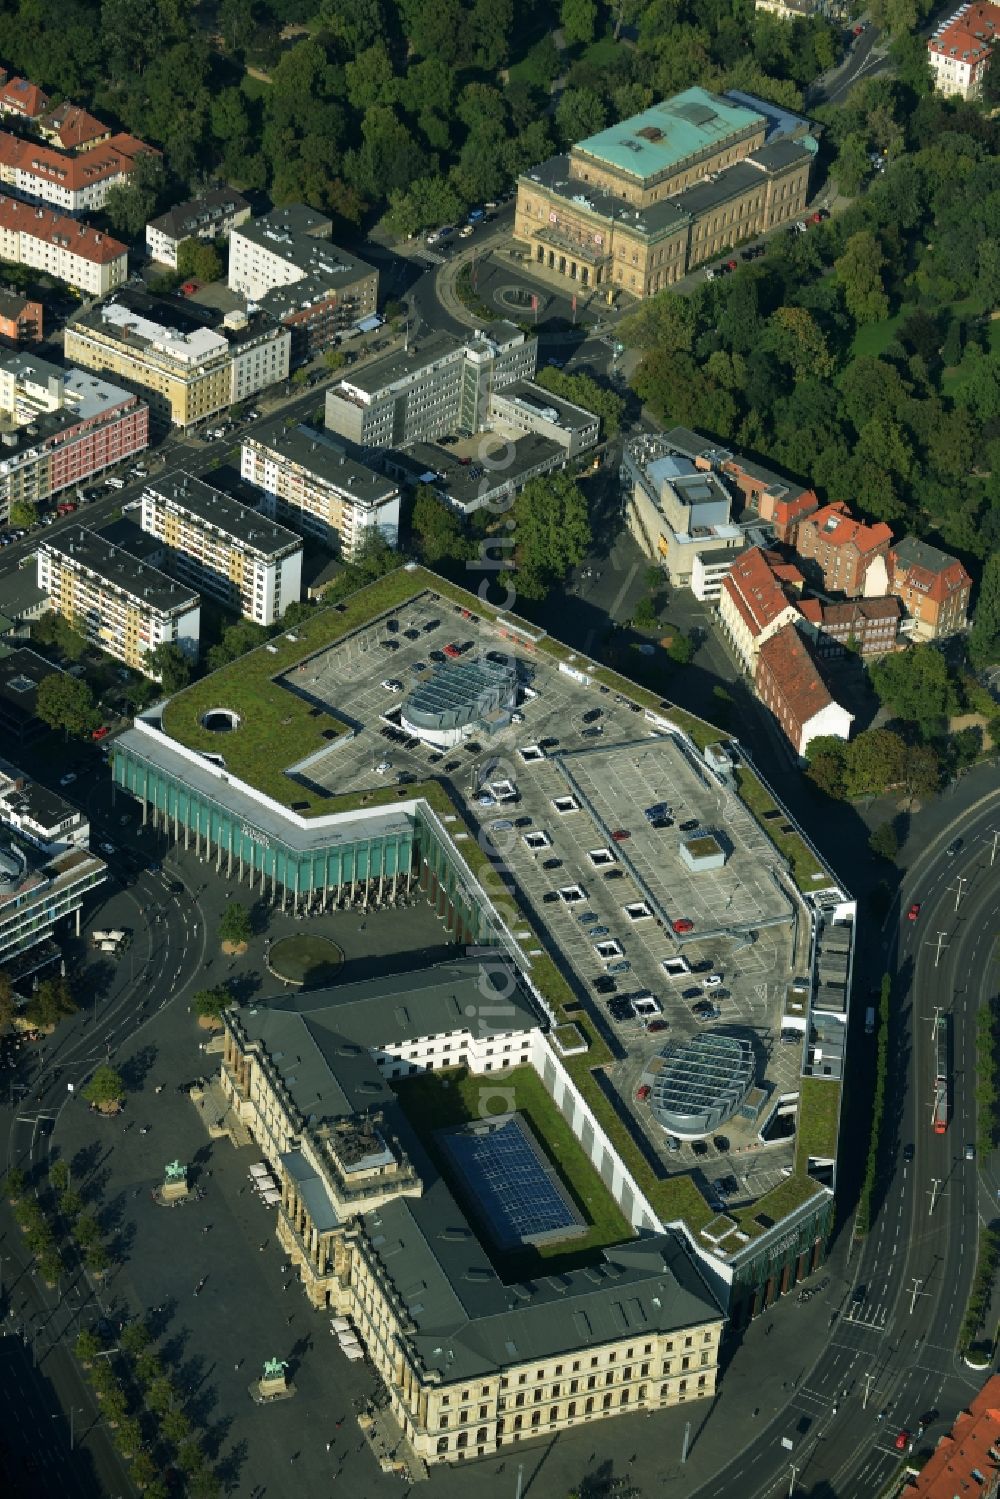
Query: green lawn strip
(818, 1121)
(874, 338)
(434, 1101)
(790, 845)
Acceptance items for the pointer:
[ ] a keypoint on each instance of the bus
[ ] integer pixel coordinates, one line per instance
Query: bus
(941, 1072)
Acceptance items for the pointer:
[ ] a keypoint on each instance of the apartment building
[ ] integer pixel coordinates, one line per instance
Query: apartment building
(21, 98)
(966, 1460)
(38, 891)
(21, 319)
(84, 258)
(59, 427)
(212, 215)
(675, 508)
(285, 263)
(961, 50)
(189, 363)
(72, 129)
(436, 386)
(72, 182)
(848, 555)
(868, 626)
(790, 686)
(309, 478)
(223, 548)
(471, 1366)
(637, 205)
(42, 817)
(759, 596)
(22, 672)
(933, 588)
(124, 606)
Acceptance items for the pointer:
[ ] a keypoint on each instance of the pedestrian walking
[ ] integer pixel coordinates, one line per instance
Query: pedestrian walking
(291, 1319)
(206, 1228)
(328, 1446)
(237, 1363)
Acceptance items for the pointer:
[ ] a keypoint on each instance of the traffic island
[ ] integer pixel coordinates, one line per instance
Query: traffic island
(308, 962)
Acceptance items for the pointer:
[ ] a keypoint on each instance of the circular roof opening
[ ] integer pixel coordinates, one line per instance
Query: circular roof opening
(220, 720)
(701, 1083)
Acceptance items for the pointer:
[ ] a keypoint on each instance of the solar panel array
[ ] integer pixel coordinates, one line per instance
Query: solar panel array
(509, 1184)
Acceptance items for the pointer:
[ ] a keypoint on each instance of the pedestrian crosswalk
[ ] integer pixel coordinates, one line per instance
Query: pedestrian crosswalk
(431, 256)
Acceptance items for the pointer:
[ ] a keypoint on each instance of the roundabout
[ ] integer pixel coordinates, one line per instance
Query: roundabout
(307, 961)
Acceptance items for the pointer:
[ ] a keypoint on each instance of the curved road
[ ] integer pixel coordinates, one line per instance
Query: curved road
(893, 1348)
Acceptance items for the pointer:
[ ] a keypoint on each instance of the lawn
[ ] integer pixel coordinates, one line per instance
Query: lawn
(807, 873)
(818, 1120)
(872, 339)
(434, 1101)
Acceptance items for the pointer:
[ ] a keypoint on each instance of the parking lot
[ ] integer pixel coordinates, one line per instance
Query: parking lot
(561, 797)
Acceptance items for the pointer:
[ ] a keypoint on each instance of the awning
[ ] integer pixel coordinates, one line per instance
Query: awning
(271, 1199)
(259, 1170)
(368, 324)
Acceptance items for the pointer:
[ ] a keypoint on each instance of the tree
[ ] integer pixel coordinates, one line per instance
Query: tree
(70, 1204)
(175, 1427)
(130, 207)
(883, 841)
(917, 686)
(23, 513)
(14, 1184)
(580, 113)
(681, 648)
(87, 1346)
(438, 528)
(161, 1396)
(51, 1001)
(8, 1003)
(859, 271)
(210, 1003)
(795, 337)
(98, 1260)
(170, 664)
(584, 391)
(65, 703)
(644, 613)
(195, 257)
(86, 1230)
(577, 19)
(129, 1436)
(984, 637)
(551, 532)
(59, 1175)
(105, 1090)
(135, 1337)
(143, 1470)
(235, 925)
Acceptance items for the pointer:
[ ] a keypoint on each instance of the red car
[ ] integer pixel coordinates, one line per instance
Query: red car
(66, 508)
(902, 1440)
(683, 924)
(914, 911)
(452, 650)
(657, 1025)
(190, 287)
(642, 1093)
(621, 835)
(732, 265)
(101, 733)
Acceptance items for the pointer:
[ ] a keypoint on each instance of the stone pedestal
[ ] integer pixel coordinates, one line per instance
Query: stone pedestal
(266, 1391)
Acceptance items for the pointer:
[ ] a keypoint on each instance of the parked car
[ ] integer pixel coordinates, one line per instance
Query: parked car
(914, 911)
(392, 685)
(621, 835)
(642, 1093)
(683, 924)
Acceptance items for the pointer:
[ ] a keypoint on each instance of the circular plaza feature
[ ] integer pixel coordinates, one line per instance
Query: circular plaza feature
(700, 1083)
(220, 720)
(307, 961)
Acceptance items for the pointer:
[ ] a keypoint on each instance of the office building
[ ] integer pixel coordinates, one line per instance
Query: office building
(38, 891)
(637, 205)
(961, 50)
(62, 247)
(125, 607)
(524, 407)
(780, 502)
(284, 262)
(223, 548)
(212, 215)
(59, 427)
(190, 363)
(310, 479)
(437, 385)
(932, 586)
(675, 508)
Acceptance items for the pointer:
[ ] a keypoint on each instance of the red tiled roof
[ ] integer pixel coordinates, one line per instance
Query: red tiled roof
(752, 584)
(959, 1457)
(21, 97)
(788, 666)
(837, 526)
(936, 574)
(57, 229)
(812, 610)
(71, 171)
(73, 126)
(970, 35)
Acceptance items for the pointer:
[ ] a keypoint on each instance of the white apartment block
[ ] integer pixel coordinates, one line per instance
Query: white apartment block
(124, 606)
(61, 247)
(961, 50)
(213, 215)
(73, 183)
(309, 479)
(43, 817)
(223, 547)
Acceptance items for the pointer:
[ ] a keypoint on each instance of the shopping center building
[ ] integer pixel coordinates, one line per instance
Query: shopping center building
(295, 771)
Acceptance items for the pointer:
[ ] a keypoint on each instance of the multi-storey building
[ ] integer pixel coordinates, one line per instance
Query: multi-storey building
(933, 588)
(286, 264)
(20, 318)
(38, 890)
(20, 97)
(73, 183)
(848, 555)
(675, 507)
(526, 407)
(59, 427)
(72, 129)
(190, 367)
(22, 672)
(781, 502)
(61, 247)
(789, 684)
(435, 386)
(212, 215)
(126, 607)
(961, 50)
(223, 547)
(637, 205)
(41, 816)
(868, 626)
(310, 479)
(471, 1366)
(966, 1459)
(758, 598)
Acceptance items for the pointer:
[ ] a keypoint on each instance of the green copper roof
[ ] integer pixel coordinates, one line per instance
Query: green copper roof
(665, 134)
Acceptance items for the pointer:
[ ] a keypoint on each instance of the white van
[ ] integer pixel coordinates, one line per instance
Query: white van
(114, 483)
